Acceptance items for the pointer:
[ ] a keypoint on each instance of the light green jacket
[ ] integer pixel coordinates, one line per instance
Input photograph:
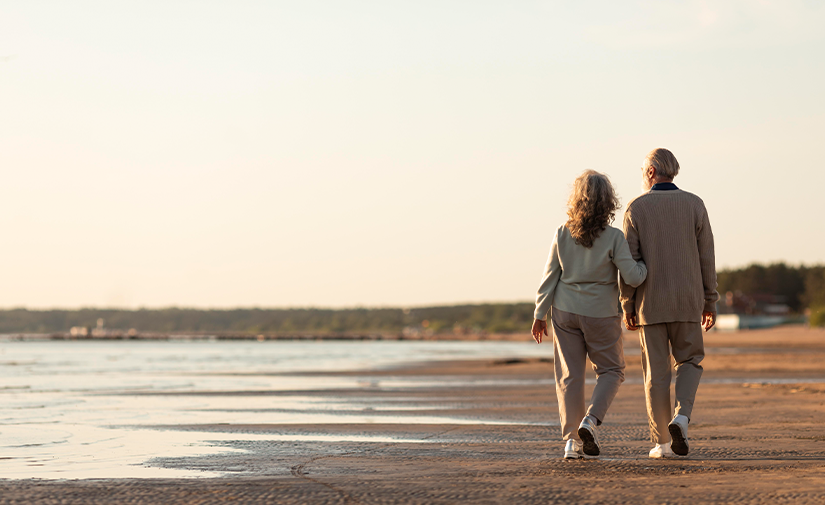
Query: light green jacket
(584, 280)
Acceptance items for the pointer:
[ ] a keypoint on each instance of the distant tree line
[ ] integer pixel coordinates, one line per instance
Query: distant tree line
(484, 318)
(801, 287)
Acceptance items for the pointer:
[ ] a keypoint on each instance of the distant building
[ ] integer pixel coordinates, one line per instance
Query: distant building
(736, 302)
(732, 322)
(99, 330)
(739, 311)
(79, 331)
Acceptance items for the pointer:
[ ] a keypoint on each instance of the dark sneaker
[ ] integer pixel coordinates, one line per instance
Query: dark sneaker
(587, 432)
(678, 429)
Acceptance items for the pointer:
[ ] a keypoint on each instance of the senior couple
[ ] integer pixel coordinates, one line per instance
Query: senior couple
(667, 288)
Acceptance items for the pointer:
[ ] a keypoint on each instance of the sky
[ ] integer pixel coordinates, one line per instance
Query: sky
(384, 153)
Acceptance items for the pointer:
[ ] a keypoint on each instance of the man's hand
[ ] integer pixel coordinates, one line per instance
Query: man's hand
(708, 320)
(539, 330)
(630, 322)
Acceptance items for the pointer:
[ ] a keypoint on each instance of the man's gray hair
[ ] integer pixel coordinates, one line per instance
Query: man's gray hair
(663, 162)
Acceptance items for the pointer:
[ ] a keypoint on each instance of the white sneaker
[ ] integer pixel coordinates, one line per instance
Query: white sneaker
(587, 432)
(678, 429)
(661, 451)
(573, 450)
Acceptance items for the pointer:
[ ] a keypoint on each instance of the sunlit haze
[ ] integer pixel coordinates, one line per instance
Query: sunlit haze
(306, 153)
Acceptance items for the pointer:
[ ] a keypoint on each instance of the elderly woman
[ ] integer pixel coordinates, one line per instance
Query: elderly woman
(581, 285)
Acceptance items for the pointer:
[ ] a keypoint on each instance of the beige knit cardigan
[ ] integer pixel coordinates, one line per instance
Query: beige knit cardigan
(671, 231)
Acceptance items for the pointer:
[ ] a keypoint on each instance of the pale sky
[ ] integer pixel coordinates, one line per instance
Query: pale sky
(384, 153)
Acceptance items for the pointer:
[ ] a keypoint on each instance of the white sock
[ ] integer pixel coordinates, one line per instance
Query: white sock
(592, 420)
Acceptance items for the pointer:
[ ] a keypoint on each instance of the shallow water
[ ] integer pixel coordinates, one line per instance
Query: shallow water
(88, 409)
(108, 409)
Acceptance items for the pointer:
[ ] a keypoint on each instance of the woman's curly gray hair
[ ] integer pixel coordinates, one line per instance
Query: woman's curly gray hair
(591, 207)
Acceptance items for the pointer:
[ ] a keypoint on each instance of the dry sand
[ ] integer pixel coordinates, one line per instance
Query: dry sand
(757, 436)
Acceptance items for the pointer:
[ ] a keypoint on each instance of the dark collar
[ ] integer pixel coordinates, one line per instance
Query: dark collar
(663, 186)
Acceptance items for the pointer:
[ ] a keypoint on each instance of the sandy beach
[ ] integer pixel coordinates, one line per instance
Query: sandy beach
(757, 436)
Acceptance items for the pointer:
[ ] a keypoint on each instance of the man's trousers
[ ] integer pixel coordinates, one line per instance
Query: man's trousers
(685, 341)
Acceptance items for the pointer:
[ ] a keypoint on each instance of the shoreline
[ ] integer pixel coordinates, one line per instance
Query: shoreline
(263, 337)
(751, 442)
(734, 336)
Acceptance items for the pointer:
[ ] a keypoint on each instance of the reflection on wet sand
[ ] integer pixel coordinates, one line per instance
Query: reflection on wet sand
(146, 410)
(81, 409)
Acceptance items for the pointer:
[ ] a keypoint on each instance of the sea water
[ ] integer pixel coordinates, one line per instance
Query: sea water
(87, 409)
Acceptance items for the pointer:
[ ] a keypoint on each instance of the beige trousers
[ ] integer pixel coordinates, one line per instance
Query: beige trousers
(686, 344)
(576, 338)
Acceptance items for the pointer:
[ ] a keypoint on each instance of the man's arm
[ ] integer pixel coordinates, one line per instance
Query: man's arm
(707, 263)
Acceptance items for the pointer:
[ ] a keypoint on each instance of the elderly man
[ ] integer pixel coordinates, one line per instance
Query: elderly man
(670, 229)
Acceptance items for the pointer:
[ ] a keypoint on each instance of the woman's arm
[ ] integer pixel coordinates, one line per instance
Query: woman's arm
(547, 288)
(633, 272)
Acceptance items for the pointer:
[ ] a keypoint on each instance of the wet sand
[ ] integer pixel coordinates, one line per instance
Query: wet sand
(757, 436)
